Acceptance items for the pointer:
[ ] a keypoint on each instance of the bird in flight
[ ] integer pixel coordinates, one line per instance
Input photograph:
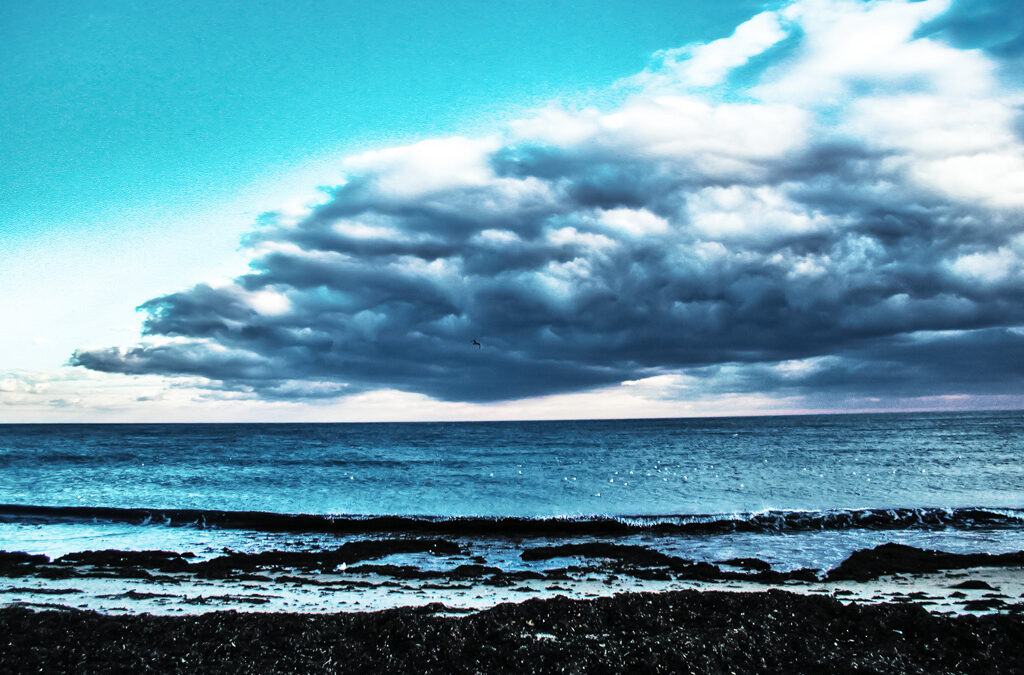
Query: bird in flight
(476, 344)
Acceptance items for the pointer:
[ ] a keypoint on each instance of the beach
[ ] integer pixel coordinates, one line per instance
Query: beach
(596, 608)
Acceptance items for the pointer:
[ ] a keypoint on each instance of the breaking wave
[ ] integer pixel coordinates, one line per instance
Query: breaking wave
(966, 518)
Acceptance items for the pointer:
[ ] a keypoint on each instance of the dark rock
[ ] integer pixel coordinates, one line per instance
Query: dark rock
(651, 633)
(920, 595)
(139, 595)
(17, 564)
(648, 574)
(231, 565)
(57, 573)
(165, 561)
(896, 558)
(775, 577)
(44, 591)
(983, 605)
(351, 552)
(702, 571)
(973, 584)
(643, 563)
(635, 555)
(560, 574)
(469, 571)
(753, 564)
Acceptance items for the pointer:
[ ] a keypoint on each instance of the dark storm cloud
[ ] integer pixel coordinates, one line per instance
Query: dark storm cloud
(634, 244)
(983, 362)
(994, 25)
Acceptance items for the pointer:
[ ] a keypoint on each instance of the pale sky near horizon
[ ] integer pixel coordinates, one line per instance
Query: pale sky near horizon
(672, 208)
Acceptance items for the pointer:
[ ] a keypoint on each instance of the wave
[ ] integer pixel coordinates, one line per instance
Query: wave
(606, 526)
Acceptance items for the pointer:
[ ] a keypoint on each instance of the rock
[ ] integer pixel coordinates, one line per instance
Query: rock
(653, 633)
(983, 605)
(753, 564)
(898, 558)
(973, 584)
(16, 563)
(635, 555)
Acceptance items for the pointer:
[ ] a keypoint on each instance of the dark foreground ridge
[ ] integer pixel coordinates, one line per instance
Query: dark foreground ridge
(683, 631)
(606, 526)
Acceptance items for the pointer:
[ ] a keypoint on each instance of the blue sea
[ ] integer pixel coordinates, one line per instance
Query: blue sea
(796, 491)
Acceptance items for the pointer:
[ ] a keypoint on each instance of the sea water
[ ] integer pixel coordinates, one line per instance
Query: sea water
(796, 490)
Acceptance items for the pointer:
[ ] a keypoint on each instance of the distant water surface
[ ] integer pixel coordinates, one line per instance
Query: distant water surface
(731, 469)
(532, 469)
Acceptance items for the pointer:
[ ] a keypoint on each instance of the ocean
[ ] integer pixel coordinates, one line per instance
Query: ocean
(796, 491)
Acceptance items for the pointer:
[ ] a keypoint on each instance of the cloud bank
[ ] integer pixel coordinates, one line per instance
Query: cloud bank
(827, 203)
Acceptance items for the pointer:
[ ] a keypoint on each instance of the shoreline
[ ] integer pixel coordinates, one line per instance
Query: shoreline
(592, 607)
(681, 631)
(371, 575)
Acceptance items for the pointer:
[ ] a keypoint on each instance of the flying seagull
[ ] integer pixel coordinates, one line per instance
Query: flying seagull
(476, 344)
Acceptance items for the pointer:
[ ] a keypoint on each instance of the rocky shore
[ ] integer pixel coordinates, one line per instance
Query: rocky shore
(862, 565)
(892, 608)
(370, 575)
(686, 631)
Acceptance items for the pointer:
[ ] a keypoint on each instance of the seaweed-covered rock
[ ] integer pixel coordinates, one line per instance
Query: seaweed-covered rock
(654, 633)
(165, 561)
(899, 558)
(973, 584)
(348, 553)
(636, 555)
(16, 563)
(752, 564)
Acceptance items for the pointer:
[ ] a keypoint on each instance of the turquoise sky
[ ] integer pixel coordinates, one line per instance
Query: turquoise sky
(138, 141)
(116, 108)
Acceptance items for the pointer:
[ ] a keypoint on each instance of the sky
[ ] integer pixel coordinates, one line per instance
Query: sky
(310, 211)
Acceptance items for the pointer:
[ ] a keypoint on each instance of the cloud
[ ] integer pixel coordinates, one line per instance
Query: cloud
(842, 220)
(995, 26)
(706, 65)
(985, 362)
